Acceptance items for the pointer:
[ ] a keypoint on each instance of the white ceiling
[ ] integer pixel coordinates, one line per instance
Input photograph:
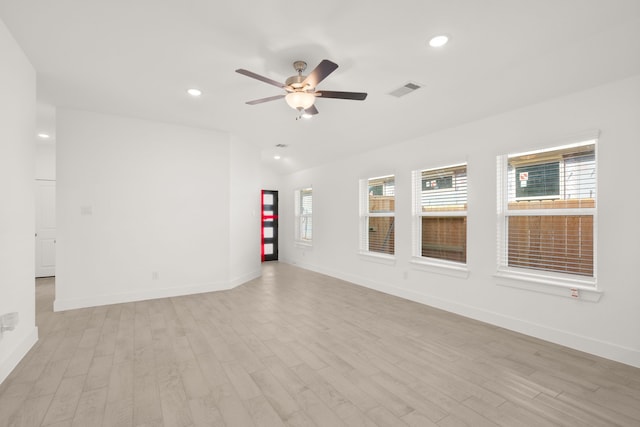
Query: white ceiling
(138, 57)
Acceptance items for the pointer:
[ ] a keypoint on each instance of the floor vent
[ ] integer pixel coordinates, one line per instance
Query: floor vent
(403, 90)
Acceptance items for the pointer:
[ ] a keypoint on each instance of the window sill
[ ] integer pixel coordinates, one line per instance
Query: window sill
(440, 267)
(302, 244)
(565, 287)
(378, 257)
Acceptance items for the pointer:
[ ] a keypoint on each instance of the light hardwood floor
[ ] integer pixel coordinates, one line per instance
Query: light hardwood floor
(298, 348)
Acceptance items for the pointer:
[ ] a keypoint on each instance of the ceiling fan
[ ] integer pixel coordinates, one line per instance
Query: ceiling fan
(301, 90)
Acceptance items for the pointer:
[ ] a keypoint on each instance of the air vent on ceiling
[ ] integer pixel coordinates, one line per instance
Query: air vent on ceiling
(403, 90)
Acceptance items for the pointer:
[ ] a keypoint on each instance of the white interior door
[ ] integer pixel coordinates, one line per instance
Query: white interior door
(45, 228)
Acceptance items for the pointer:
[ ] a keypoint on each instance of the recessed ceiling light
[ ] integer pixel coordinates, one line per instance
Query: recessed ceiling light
(438, 41)
(276, 157)
(194, 92)
(43, 135)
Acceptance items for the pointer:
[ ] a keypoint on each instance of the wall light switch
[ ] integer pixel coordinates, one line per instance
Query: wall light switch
(9, 321)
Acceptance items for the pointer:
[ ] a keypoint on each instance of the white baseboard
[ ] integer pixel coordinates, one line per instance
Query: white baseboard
(607, 350)
(244, 278)
(99, 300)
(15, 356)
(94, 301)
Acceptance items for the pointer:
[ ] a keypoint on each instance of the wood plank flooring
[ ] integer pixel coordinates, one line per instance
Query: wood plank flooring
(296, 348)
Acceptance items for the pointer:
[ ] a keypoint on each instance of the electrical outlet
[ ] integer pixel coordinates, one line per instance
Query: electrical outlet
(575, 293)
(155, 275)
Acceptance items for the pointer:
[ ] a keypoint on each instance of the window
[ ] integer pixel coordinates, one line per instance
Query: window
(547, 212)
(303, 216)
(377, 206)
(440, 214)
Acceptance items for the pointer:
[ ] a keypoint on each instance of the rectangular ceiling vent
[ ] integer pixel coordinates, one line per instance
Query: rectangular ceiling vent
(403, 90)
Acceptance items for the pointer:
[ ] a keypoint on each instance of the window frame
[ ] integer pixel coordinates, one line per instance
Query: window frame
(301, 217)
(434, 264)
(552, 282)
(365, 215)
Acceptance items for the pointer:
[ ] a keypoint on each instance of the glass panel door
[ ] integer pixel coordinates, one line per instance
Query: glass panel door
(269, 250)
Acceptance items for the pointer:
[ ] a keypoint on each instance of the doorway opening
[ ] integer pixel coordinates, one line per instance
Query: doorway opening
(45, 228)
(269, 227)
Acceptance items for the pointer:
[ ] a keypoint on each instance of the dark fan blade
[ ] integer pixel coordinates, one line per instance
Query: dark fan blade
(259, 77)
(312, 110)
(261, 100)
(356, 96)
(323, 69)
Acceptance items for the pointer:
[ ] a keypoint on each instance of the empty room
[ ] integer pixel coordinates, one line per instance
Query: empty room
(271, 213)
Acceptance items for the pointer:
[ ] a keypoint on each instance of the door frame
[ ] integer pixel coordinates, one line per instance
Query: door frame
(45, 230)
(273, 218)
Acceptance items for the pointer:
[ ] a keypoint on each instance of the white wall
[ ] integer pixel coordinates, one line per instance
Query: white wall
(244, 214)
(143, 209)
(609, 327)
(45, 161)
(17, 212)
(269, 179)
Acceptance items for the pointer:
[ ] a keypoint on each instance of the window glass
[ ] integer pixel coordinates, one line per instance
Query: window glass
(304, 215)
(378, 215)
(440, 214)
(549, 211)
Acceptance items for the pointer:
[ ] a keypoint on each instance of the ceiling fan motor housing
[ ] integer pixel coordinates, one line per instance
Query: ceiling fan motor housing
(296, 82)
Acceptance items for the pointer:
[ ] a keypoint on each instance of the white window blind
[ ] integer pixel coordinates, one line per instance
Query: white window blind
(547, 210)
(377, 215)
(440, 213)
(303, 215)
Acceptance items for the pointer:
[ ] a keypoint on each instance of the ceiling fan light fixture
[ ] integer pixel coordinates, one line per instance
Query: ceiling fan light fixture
(300, 90)
(300, 100)
(438, 41)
